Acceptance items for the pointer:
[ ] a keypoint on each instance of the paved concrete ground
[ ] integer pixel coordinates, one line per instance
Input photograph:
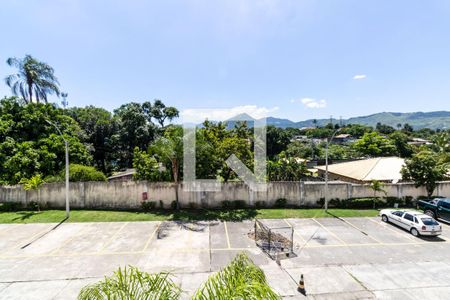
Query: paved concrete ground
(358, 258)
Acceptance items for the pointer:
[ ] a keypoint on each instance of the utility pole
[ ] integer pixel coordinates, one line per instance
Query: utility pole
(66, 143)
(326, 169)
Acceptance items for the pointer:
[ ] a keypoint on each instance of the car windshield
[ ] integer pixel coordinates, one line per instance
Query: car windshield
(429, 221)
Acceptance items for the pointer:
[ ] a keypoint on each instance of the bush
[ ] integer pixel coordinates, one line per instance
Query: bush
(260, 204)
(239, 204)
(161, 204)
(10, 206)
(148, 205)
(173, 204)
(281, 202)
(33, 205)
(84, 173)
(227, 204)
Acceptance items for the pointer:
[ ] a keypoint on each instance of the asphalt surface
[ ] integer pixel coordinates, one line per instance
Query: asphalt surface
(352, 258)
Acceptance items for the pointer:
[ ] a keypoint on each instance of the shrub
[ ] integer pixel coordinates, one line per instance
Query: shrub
(227, 204)
(32, 183)
(148, 205)
(241, 279)
(239, 204)
(173, 204)
(161, 204)
(33, 205)
(10, 206)
(84, 173)
(260, 204)
(281, 202)
(130, 283)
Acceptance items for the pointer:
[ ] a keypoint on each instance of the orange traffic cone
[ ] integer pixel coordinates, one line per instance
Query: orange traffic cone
(301, 285)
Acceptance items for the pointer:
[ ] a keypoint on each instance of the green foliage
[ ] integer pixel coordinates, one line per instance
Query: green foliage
(29, 145)
(400, 141)
(373, 144)
(241, 279)
(215, 144)
(281, 202)
(10, 206)
(425, 170)
(192, 205)
(227, 204)
(277, 140)
(33, 205)
(98, 126)
(384, 129)
(239, 204)
(236, 204)
(84, 173)
(34, 79)
(174, 205)
(134, 129)
(32, 183)
(260, 204)
(148, 205)
(168, 150)
(377, 187)
(130, 283)
(286, 169)
(367, 203)
(147, 168)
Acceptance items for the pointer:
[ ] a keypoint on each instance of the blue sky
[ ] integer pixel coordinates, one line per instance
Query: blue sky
(293, 59)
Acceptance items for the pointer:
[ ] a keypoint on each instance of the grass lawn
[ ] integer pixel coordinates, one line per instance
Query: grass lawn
(47, 216)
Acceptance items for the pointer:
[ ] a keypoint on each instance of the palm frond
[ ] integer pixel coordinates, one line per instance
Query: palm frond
(241, 279)
(130, 283)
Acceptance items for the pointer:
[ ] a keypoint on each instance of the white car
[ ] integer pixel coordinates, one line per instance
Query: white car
(415, 222)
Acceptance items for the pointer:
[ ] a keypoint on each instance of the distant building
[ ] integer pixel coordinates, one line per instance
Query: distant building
(419, 142)
(300, 138)
(384, 169)
(343, 138)
(123, 176)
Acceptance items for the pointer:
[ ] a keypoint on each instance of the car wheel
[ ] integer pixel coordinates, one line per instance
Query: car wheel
(430, 213)
(384, 218)
(414, 232)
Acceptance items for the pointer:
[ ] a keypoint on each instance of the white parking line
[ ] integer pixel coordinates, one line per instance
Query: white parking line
(394, 231)
(334, 235)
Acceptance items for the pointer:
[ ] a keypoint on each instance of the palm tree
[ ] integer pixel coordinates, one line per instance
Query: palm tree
(169, 149)
(130, 283)
(377, 186)
(241, 279)
(34, 80)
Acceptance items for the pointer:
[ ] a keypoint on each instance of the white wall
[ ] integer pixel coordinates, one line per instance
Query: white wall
(128, 194)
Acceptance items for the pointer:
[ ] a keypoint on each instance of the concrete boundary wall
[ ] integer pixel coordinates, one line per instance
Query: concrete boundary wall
(129, 194)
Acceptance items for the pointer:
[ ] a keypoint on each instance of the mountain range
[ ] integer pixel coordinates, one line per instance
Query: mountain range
(418, 120)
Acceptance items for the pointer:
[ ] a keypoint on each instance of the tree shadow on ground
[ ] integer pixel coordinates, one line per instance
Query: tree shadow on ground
(187, 215)
(25, 215)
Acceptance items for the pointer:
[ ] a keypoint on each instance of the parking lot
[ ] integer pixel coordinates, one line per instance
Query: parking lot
(352, 258)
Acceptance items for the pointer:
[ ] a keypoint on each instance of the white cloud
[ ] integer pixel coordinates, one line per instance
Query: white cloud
(359, 76)
(311, 103)
(222, 114)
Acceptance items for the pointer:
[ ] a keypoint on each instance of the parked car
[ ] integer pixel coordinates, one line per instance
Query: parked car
(438, 208)
(415, 222)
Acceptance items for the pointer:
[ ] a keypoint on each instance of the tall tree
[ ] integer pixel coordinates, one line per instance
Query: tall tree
(160, 112)
(169, 150)
(34, 79)
(134, 130)
(99, 126)
(377, 186)
(277, 141)
(425, 170)
(373, 144)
